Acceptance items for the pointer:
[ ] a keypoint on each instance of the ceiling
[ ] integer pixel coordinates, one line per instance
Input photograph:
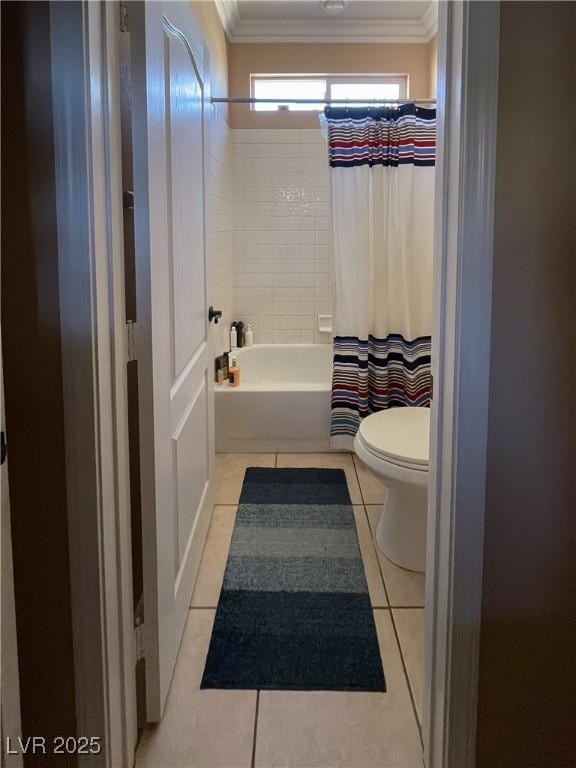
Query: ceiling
(376, 21)
(250, 10)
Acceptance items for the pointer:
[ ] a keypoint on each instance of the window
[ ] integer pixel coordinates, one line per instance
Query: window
(278, 87)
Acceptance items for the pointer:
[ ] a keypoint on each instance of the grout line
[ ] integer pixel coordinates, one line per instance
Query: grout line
(370, 533)
(382, 579)
(276, 460)
(203, 607)
(407, 679)
(418, 724)
(253, 761)
(377, 558)
(370, 530)
(203, 550)
(357, 478)
(390, 603)
(392, 617)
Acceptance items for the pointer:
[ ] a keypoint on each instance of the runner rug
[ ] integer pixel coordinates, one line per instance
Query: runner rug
(294, 612)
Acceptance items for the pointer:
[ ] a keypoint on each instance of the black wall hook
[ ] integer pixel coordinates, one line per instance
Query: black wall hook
(214, 314)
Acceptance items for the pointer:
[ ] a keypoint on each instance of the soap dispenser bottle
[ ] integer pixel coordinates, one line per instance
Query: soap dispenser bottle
(248, 336)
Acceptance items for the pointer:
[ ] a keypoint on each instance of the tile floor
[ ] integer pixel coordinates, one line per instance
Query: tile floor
(250, 729)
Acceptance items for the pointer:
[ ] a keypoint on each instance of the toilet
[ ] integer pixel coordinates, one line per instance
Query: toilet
(394, 445)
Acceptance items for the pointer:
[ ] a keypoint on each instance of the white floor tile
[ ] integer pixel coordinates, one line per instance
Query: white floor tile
(405, 588)
(410, 627)
(214, 557)
(200, 729)
(373, 489)
(347, 730)
(371, 569)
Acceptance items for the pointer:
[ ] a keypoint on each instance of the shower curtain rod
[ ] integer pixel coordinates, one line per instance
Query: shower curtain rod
(250, 100)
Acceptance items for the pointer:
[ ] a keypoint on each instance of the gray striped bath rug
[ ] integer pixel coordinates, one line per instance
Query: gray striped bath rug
(294, 612)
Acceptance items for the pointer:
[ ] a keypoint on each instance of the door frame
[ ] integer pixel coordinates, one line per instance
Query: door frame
(10, 714)
(85, 98)
(467, 110)
(468, 59)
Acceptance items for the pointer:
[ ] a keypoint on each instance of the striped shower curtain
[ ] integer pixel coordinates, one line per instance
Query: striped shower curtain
(382, 174)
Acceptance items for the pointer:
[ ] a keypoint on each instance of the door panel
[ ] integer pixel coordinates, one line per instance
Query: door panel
(186, 194)
(174, 359)
(192, 467)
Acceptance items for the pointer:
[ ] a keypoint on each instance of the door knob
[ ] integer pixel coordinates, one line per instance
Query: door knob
(214, 315)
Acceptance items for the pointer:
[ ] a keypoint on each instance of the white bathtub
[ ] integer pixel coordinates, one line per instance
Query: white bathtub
(282, 403)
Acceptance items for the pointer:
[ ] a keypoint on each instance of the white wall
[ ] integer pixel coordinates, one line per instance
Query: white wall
(282, 233)
(220, 222)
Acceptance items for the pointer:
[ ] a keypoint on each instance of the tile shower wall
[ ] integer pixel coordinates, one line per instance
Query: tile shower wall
(220, 226)
(282, 254)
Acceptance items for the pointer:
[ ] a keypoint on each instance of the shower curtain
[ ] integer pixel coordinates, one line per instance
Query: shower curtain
(382, 176)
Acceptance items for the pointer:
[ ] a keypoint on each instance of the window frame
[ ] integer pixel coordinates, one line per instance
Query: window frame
(400, 79)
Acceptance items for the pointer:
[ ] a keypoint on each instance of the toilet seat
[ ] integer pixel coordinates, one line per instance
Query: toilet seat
(398, 436)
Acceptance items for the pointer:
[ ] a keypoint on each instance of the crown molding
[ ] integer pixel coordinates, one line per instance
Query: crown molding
(429, 20)
(329, 30)
(229, 15)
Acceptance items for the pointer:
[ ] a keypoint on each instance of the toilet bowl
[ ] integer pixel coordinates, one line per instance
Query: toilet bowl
(394, 445)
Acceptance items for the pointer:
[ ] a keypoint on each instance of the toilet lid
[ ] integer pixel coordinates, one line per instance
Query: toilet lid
(398, 434)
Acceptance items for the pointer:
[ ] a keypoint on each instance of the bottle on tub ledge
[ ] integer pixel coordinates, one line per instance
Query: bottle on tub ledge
(240, 333)
(233, 372)
(221, 368)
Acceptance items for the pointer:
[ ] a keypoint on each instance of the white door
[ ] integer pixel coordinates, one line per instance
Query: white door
(169, 62)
